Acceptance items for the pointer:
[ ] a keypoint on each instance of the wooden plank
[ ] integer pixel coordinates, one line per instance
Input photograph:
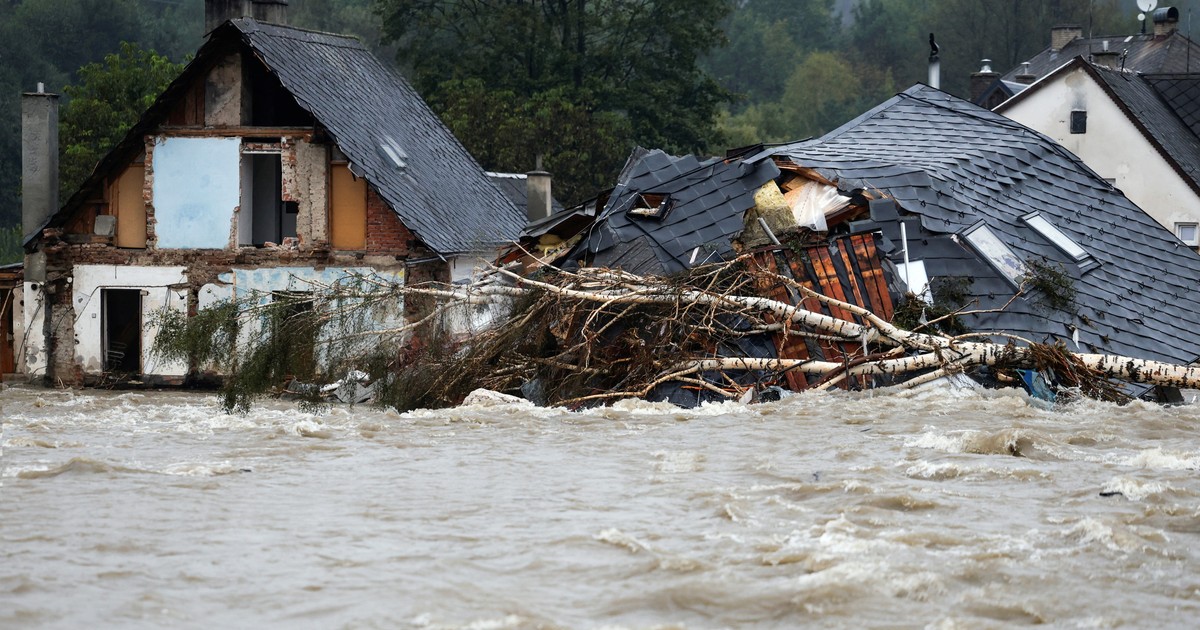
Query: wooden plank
(886, 308)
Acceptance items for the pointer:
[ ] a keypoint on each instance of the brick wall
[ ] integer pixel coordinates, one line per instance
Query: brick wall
(385, 233)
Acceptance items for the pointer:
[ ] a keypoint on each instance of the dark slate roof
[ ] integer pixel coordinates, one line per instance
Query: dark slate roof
(442, 194)
(1146, 54)
(1156, 119)
(1182, 93)
(955, 165)
(709, 200)
(514, 186)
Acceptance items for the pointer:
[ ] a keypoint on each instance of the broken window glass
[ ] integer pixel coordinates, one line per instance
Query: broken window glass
(652, 205)
(993, 250)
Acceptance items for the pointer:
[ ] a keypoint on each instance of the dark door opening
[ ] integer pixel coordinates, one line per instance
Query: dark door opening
(7, 335)
(122, 328)
(274, 218)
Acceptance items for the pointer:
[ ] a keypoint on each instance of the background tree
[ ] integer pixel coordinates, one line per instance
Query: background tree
(622, 71)
(110, 98)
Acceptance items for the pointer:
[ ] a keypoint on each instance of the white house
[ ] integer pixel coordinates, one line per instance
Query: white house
(1138, 131)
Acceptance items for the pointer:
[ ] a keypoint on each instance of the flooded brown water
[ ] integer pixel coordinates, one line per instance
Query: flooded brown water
(932, 509)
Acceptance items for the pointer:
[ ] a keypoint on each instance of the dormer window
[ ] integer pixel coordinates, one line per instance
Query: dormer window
(1056, 236)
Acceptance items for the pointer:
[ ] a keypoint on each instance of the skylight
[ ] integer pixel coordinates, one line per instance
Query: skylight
(993, 250)
(1054, 235)
(390, 149)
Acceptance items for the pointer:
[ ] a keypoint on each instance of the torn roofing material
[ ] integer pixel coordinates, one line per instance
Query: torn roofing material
(439, 191)
(668, 214)
(958, 167)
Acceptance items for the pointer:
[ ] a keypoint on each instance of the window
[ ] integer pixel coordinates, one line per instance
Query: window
(652, 205)
(993, 250)
(1055, 236)
(1189, 233)
(1079, 121)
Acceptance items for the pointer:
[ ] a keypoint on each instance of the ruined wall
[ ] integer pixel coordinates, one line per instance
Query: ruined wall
(226, 95)
(195, 191)
(161, 287)
(306, 182)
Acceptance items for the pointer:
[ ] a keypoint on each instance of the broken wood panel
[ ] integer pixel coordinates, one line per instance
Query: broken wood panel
(871, 268)
(786, 345)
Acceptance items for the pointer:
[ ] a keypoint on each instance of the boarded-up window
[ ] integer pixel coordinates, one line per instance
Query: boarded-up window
(348, 209)
(127, 203)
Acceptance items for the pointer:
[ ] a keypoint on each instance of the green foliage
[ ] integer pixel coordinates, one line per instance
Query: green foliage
(109, 99)
(1054, 286)
(582, 147)
(10, 245)
(950, 295)
(624, 69)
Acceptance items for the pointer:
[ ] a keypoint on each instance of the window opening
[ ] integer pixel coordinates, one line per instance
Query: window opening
(7, 335)
(1189, 233)
(652, 205)
(121, 328)
(1056, 236)
(1079, 121)
(265, 216)
(999, 255)
(294, 328)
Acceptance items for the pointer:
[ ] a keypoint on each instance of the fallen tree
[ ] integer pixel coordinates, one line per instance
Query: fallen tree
(598, 335)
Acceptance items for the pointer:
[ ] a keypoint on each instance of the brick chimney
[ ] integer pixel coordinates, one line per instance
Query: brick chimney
(1166, 21)
(217, 12)
(982, 80)
(1064, 34)
(39, 159)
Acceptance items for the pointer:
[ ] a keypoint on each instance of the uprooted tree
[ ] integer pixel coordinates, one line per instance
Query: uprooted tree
(589, 337)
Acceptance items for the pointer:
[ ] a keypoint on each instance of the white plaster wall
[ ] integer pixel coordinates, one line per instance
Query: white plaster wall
(256, 285)
(1112, 146)
(32, 353)
(162, 287)
(18, 329)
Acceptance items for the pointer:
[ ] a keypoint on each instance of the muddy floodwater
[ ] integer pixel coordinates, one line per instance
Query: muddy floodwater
(930, 509)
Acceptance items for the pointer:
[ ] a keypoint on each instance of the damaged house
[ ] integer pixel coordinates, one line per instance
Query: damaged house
(278, 158)
(925, 204)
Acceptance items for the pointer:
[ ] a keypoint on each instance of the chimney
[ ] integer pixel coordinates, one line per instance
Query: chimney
(935, 64)
(1105, 58)
(1025, 76)
(1062, 35)
(39, 159)
(982, 80)
(273, 11)
(1166, 22)
(217, 12)
(537, 193)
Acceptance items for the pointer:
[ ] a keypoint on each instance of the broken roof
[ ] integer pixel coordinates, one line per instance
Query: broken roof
(957, 166)
(668, 214)
(376, 118)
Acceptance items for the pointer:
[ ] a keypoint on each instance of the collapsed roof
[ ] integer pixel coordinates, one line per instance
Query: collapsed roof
(959, 167)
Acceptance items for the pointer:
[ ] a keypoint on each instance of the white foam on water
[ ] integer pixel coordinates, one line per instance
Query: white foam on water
(932, 438)
(678, 461)
(1158, 459)
(1134, 489)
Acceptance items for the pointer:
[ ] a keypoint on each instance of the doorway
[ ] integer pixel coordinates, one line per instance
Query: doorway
(122, 330)
(7, 334)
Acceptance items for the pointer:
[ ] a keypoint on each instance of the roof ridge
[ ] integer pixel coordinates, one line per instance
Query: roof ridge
(287, 27)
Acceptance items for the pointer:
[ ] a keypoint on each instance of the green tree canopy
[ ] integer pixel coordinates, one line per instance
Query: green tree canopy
(110, 97)
(625, 71)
